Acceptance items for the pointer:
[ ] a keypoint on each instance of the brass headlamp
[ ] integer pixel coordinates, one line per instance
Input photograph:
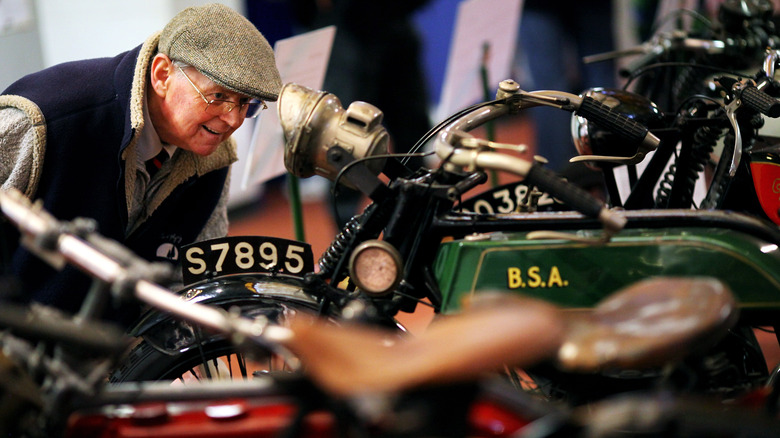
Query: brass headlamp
(314, 121)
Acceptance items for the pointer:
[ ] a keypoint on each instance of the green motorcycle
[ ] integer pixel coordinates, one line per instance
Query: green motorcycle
(415, 246)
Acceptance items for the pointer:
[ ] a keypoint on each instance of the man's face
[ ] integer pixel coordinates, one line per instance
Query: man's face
(181, 119)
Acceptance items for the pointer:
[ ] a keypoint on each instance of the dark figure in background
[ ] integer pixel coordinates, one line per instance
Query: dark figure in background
(375, 59)
(554, 36)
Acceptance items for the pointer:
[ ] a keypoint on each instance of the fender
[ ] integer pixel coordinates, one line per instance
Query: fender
(255, 295)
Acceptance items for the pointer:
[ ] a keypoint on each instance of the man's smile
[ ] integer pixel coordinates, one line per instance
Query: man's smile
(211, 130)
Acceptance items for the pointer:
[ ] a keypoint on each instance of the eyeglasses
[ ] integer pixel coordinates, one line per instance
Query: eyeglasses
(218, 107)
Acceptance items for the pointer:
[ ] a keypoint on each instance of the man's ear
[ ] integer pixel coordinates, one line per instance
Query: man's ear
(161, 73)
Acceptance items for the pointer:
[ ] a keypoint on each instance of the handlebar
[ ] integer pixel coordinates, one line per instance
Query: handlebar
(48, 325)
(760, 101)
(743, 31)
(455, 146)
(43, 235)
(749, 33)
(618, 123)
(751, 95)
(659, 45)
(745, 93)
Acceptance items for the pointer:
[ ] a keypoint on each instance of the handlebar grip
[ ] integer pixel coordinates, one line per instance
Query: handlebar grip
(575, 197)
(761, 102)
(88, 336)
(638, 63)
(614, 121)
(567, 192)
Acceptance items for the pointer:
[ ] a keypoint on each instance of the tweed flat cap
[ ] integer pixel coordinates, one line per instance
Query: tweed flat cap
(226, 47)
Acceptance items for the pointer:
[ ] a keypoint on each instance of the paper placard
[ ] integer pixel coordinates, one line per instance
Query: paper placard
(302, 59)
(15, 16)
(479, 24)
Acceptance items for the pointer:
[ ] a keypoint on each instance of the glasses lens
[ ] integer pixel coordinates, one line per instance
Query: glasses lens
(253, 108)
(219, 107)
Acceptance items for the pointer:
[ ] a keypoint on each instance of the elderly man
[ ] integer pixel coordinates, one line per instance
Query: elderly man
(139, 142)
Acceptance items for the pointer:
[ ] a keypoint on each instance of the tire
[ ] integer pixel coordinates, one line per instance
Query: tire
(173, 350)
(216, 359)
(179, 352)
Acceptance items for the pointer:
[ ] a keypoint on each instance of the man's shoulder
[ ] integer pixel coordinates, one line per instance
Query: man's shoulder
(22, 141)
(74, 86)
(18, 114)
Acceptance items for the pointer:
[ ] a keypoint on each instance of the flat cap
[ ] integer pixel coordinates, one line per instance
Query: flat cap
(226, 47)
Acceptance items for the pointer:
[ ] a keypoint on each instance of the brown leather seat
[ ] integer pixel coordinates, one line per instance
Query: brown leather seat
(648, 324)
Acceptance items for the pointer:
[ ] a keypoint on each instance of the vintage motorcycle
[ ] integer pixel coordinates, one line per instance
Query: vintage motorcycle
(415, 386)
(283, 286)
(414, 246)
(674, 62)
(712, 94)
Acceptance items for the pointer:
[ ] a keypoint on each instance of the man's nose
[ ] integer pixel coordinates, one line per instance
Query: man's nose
(233, 118)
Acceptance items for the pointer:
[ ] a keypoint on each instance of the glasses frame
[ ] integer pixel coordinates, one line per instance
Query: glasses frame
(223, 103)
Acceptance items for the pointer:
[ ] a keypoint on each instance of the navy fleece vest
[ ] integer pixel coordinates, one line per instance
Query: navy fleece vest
(86, 105)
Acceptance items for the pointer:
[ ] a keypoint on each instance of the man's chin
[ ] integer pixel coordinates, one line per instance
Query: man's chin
(204, 150)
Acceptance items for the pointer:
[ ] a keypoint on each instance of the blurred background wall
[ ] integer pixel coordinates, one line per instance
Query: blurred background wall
(35, 34)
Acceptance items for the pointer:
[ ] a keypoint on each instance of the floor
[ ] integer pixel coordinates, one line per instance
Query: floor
(271, 215)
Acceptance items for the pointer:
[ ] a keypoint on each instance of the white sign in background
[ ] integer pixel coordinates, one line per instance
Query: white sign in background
(301, 59)
(15, 16)
(479, 23)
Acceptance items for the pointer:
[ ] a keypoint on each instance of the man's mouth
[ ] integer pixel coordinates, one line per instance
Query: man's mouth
(211, 130)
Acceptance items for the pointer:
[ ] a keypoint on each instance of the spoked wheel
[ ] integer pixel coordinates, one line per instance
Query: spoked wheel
(215, 360)
(178, 352)
(231, 365)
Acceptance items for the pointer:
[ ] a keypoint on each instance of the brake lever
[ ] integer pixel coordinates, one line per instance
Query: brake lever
(656, 45)
(636, 159)
(606, 56)
(478, 143)
(732, 85)
(731, 110)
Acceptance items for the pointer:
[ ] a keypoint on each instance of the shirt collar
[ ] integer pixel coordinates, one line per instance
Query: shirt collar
(149, 143)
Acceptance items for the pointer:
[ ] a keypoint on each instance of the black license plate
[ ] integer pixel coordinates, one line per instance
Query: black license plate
(245, 254)
(507, 199)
